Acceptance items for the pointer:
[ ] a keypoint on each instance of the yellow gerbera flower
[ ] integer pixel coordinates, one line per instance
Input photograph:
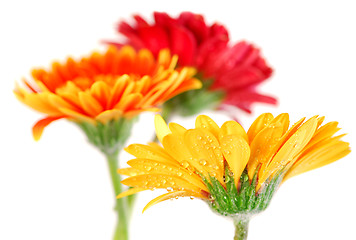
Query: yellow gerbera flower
(105, 86)
(234, 171)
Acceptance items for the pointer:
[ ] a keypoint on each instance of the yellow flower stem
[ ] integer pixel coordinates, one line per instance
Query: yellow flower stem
(241, 227)
(122, 228)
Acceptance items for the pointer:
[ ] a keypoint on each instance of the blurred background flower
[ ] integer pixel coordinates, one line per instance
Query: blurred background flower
(230, 72)
(102, 94)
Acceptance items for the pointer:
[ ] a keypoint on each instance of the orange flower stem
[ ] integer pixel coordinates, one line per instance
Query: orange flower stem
(122, 228)
(241, 227)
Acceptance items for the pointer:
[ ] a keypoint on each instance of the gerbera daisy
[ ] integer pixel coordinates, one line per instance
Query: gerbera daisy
(102, 94)
(234, 171)
(230, 72)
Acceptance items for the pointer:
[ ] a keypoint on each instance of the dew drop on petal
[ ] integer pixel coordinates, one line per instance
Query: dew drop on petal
(202, 162)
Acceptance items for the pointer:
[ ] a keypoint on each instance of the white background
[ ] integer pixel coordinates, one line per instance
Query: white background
(59, 188)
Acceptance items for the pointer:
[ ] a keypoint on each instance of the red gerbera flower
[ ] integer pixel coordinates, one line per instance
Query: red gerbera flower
(232, 70)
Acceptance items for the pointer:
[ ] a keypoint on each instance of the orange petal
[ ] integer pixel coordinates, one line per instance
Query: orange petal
(90, 105)
(38, 128)
(101, 92)
(109, 115)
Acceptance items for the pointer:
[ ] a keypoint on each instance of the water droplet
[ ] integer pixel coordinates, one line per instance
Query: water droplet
(202, 162)
(211, 198)
(191, 197)
(169, 189)
(185, 164)
(179, 174)
(164, 181)
(148, 168)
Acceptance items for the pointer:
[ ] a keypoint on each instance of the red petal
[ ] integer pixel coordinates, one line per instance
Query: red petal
(154, 38)
(184, 44)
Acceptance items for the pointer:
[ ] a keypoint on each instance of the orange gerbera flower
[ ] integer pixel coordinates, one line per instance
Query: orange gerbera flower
(105, 86)
(234, 171)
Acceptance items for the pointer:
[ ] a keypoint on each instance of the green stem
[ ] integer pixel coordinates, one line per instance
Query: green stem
(241, 228)
(122, 228)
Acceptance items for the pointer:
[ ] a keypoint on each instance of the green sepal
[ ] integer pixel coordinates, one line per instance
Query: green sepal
(230, 200)
(194, 101)
(109, 137)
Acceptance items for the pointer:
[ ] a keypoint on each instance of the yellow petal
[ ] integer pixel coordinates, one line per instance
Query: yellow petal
(161, 127)
(171, 195)
(261, 122)
(318, 157)
(282, 119)
(236, 152)
(160, 181)
(207, 123)
(204, 148)
(176, 128)
(288, 151)
(130, 192)
(263, 146)
(156, 167)
(150, 152)
(232, 128)
(130, 171)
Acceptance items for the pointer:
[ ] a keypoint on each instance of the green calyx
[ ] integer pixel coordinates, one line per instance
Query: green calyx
(194, 101)
(109, 137)
(230, 201)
